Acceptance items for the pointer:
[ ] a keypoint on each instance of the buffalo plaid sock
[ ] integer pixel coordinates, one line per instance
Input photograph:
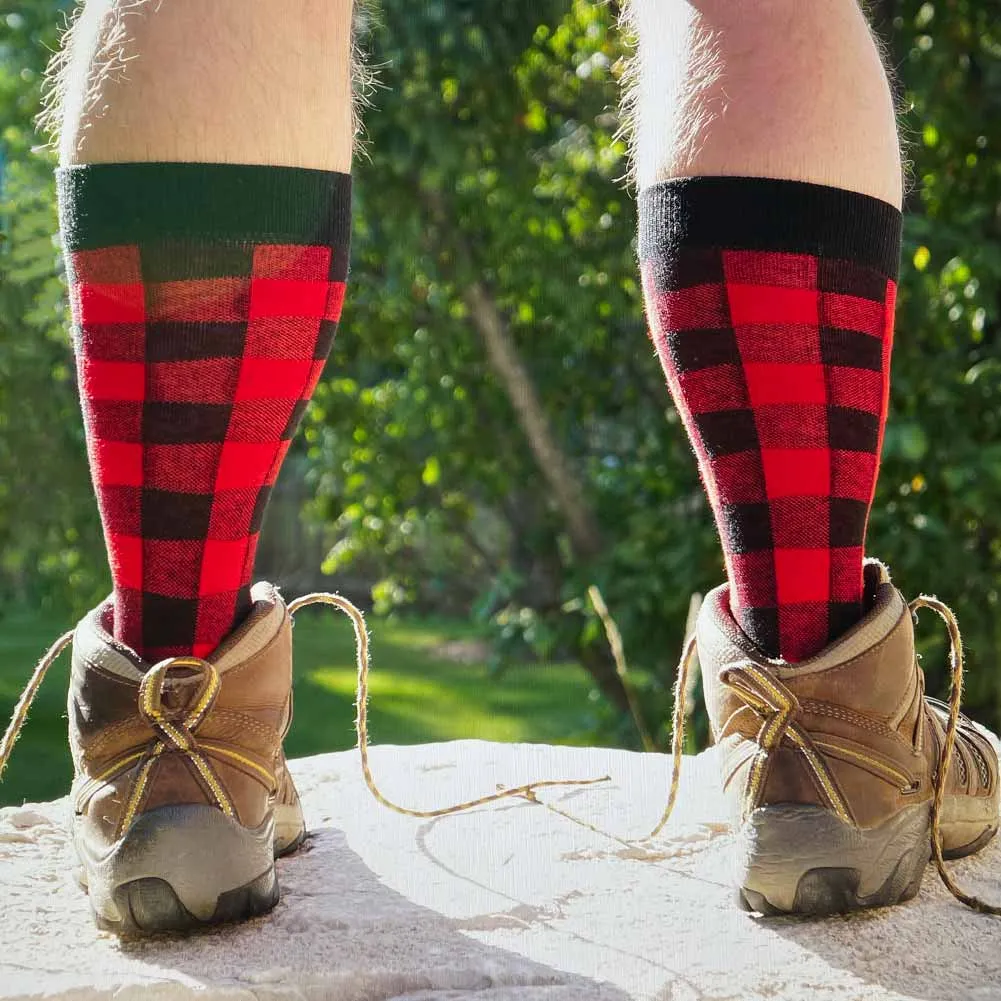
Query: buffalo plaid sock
(771, 306)
(205, 298)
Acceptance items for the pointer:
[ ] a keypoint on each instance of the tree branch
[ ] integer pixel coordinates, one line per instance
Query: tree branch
(502, 352)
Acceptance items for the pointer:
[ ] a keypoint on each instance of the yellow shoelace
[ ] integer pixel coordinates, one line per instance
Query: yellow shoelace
(361, 723)
(945, 762)
(527, 791)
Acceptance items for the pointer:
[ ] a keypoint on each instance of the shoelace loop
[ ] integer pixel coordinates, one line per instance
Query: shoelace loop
(178, 726)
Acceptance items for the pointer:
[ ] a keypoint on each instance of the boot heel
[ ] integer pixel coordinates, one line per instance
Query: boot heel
(805, 860)
(180, 867)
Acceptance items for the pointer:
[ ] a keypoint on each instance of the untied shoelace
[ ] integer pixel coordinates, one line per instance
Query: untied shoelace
(528, 790)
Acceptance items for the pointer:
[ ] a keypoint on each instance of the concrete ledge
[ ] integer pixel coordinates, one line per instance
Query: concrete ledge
(510, 902)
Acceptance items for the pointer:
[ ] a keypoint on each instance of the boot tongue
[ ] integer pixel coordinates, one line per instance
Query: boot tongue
(262, 623)
(873, 575)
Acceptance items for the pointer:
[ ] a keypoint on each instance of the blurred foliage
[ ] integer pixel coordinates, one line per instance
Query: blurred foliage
(492, 161)
(936, 517)
(50, 540)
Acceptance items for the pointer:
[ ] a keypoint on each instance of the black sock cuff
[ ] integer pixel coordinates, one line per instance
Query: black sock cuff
(759, 213)
(108, 204)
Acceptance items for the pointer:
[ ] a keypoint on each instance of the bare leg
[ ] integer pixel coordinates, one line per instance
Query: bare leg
(267, 82)
(763, 88)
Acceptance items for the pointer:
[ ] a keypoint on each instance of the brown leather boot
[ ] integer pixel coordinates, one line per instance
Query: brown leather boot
(829, 764)
(182, 796)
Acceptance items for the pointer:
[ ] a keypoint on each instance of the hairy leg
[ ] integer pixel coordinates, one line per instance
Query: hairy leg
(267, 82)
(762, 88)
(765, 148)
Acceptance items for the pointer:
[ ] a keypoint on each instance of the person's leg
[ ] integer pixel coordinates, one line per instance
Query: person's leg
(205, 210)
(766, 154)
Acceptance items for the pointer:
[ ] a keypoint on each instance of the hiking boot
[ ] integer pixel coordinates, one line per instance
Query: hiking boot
(830, 764)
(182, 796)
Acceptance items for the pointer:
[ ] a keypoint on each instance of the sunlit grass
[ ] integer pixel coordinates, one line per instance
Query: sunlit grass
(432, 708)
(417, 695)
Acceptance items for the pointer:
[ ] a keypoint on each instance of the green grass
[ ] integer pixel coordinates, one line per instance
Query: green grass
(416, 695)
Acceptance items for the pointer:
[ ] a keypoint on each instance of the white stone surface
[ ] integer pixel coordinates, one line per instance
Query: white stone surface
(510, 902)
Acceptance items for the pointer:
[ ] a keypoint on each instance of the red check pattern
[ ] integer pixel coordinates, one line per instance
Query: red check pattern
(779, 366)
(192, 388)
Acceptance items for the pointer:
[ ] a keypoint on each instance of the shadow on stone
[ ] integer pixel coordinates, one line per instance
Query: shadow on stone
(339, 932)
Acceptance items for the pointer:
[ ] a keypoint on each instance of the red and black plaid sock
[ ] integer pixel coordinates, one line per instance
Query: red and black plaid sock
(205, 298)
(771, 306)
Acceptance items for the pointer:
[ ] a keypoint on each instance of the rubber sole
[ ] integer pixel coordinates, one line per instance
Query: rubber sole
(972, 848)
(823, 892)
(181, 868)
(149, 905)
(804, 860)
